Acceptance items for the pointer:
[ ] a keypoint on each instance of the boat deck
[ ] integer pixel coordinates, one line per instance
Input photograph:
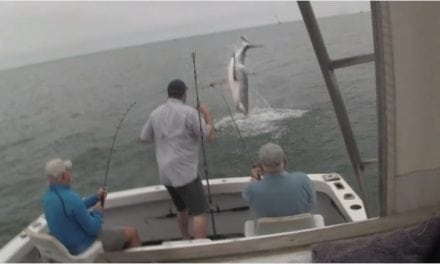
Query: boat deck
(156, 222)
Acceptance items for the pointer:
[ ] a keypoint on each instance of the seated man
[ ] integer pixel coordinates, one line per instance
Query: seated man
(69, 219)
(274, 192)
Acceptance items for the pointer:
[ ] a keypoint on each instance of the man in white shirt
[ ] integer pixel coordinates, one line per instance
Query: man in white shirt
(176, 130)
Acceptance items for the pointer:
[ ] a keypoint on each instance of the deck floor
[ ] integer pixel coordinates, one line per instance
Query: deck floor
(156, 222)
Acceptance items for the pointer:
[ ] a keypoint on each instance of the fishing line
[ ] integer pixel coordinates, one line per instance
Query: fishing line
(203, 146)
(248, 155)
(238, 130)
(111, 148)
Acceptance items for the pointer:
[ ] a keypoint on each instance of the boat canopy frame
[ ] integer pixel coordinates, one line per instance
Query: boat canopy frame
(328, 66)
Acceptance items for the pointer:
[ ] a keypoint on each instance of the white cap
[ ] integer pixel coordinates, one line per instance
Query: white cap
(56, 167)
(271, 155)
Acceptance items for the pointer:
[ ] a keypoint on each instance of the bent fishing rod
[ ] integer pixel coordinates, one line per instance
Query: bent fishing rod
(111, 149)
(205, 165)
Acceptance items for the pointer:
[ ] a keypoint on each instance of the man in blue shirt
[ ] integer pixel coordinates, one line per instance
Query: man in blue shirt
(274, 192)
(69, 219)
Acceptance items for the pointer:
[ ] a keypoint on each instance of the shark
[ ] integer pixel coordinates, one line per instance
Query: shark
(238, 77)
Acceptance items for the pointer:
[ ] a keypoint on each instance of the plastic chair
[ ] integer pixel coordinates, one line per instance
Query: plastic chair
(50, 248)
(272, 225)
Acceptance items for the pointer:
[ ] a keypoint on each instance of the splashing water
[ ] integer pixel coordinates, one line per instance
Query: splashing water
(259, 121)
(260, 100)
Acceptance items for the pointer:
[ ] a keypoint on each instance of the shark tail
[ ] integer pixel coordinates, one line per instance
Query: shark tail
(242, 109)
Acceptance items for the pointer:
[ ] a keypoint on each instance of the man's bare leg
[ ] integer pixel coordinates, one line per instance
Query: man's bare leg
(182, 220)
(132, 236)
(200, 226)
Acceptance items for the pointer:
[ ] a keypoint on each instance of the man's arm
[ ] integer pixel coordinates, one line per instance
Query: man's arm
(147, 133)
(91, 200)
(311, 193)
(256, 172)
(245, 193)
(94, 198)
(90, 222)
(208, 120)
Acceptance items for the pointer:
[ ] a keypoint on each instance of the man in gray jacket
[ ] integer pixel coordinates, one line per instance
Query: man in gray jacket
(176, 130)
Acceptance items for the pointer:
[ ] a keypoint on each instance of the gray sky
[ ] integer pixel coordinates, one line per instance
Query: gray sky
(32, 32)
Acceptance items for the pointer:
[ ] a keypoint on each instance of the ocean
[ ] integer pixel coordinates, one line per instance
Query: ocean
(70, 108)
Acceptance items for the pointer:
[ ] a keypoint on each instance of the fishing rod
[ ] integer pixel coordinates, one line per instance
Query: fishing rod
(205, 165)
(172, 214)
(111, 148)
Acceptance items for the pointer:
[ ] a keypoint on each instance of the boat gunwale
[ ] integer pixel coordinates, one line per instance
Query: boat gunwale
(329, 187)
(281, 241)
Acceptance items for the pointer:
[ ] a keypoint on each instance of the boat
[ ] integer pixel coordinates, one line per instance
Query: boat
(152, 212)
(407, 83)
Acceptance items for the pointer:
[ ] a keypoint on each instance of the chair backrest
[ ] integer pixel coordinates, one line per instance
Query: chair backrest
(50, 248)
(272, 225)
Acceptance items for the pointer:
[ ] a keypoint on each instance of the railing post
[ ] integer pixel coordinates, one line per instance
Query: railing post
(325, 64)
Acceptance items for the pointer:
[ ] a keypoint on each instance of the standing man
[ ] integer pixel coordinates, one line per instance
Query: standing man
(274, 192)
(176, 132)
(77, 222)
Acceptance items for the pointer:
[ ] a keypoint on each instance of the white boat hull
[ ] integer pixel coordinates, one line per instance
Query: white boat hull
(151, 211)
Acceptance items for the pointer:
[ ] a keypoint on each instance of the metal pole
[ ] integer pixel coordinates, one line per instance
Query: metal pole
(205, 165)
(350, 61)
(332, 86)
(382, 47)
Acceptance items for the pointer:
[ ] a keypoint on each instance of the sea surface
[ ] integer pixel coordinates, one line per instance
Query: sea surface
(70, 108)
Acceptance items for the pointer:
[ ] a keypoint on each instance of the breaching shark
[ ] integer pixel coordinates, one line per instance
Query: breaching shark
(237, 77)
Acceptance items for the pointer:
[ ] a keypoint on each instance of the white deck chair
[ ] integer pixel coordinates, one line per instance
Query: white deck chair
(272, 225)
(50, 248)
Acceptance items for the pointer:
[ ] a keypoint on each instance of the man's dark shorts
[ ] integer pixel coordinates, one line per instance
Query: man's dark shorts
(190, 196)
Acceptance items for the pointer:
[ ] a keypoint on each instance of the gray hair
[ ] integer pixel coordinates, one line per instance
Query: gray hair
(55, 168)
(271, 157)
